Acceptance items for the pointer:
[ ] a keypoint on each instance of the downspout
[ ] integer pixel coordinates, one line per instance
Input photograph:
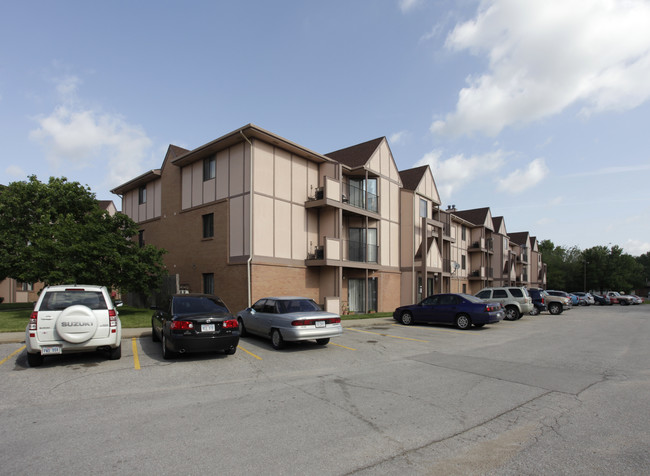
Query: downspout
(250, 221)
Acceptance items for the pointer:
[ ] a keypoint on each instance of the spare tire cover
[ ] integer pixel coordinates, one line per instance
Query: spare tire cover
(76, 324)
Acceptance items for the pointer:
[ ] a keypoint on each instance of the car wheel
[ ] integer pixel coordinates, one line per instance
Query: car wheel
(154, 336)
(511, 313)
(555, 308)
(230, 351)
(166, 353)
(479, 325)
(463, 321)
(34, 360)
(116, 353)
(242, 329)
(624, 302)
(276, 339)
(534, 312)
(406, 318)
(323, 341)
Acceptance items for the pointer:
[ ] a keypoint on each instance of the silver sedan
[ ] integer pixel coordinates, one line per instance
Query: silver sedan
(289, 319)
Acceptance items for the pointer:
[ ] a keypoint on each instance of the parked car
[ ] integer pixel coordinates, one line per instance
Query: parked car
(561, 299)
(575, 301)
(73, 318)
(555, 304)
(602, 300)
(289, 319)
(461, 310)
(637, 299)
(584, 299)
(515, 300)
(194, 323)
(618, 298)
(539, 297)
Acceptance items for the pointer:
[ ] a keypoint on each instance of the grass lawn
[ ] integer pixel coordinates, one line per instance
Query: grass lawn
(15, 317)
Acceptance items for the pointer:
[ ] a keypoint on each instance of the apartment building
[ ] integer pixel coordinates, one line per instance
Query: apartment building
(252, 214)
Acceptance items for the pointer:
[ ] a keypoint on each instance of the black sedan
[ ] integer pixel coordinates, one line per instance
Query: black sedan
(194, 323)
(461, 310)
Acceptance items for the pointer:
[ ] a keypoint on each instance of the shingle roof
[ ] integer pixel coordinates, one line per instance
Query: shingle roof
(356, 155)
(476, 216)
(177, 151)
(411, 178)
(519, 237)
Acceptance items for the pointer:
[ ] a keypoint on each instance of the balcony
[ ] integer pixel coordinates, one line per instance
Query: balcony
(348, 197)
(478, 274)
(335, 252)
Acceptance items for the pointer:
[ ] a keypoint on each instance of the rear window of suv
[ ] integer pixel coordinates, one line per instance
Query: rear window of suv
(516, 292)
(500, 293)
(59, 300)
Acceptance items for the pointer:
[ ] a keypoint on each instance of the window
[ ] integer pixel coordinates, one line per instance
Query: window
(363, 245)
(208, 225)
(424, 208)
(464, 288)
(209, 168)
(463, 261)
(208, 283)
(363, 194)
(463, 233)
(142, 194)
(500, 294)
(516, 292)
(141, 238)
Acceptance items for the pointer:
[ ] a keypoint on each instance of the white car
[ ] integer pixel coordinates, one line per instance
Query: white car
(73, 318)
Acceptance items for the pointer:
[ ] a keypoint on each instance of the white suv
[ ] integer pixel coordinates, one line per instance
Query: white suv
(73, 318)
(514, 299)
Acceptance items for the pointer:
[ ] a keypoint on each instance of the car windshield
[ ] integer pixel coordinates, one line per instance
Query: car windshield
(59, 300)
(199, 305)
(297, 305)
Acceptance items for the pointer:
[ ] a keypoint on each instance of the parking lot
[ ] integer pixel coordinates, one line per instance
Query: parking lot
(548, 394)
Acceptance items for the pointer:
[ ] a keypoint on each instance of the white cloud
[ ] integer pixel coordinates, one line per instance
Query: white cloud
(521, 180)
(78, 137)
(15, 172)
(398, 137)
(408, 5)
(453, 173)
(546, 56)
(636, 247)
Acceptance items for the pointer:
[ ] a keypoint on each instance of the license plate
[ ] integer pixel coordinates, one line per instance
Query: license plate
(207, 327)
(51, 349)
(320, 323)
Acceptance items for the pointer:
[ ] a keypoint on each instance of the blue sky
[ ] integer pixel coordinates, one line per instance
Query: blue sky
(539, 110)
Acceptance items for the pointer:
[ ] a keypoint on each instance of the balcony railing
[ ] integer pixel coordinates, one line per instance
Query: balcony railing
(360, 252)
(360, 198)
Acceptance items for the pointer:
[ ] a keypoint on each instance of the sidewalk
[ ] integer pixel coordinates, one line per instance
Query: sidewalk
(19, 337)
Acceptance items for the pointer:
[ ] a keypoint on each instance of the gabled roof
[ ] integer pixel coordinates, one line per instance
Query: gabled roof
(477, 216)
(356, 155)
(176, 151)
(411, 178)
(497, 221)
(520, 237)
(137, 182)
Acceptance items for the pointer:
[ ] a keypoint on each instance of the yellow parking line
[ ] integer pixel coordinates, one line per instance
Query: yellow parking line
(11, 355)
(339, 345)
(250, 353)
(384, 335)
(136, 359)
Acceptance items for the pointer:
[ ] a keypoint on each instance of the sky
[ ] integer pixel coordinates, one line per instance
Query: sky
(539, 110)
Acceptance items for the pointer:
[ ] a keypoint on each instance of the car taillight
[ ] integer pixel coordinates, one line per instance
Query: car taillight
(311, 322)
(33, 320)
(489, 308)
(181, 325)
(112, 319)
(230, 324)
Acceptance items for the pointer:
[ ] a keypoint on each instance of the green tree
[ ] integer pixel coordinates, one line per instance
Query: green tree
(56, 233)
